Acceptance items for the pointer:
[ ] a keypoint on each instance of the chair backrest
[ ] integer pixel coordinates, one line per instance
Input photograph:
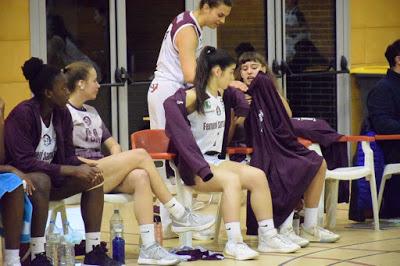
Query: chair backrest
(152, 140)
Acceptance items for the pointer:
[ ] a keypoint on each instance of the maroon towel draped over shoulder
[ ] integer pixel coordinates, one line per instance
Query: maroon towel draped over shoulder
(289, 166)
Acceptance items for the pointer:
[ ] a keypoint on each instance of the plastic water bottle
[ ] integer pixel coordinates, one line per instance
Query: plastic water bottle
(296, 223)
(158, 229)
(117, 237)
(66, 253)
(52, 241)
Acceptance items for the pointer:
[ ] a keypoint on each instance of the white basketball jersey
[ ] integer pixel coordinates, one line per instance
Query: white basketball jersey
(88, 131)
(208, 128)
(47, 146)
(168, 65)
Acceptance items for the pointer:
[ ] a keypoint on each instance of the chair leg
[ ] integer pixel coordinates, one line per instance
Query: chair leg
(382, 189)
(218, 219)
(331, 202)
(185, 197)
(64, 219)
(375, 209)
(321, 207)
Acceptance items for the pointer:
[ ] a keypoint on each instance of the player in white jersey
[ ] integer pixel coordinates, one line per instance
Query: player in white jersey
(130, 172)
(203, 108)
(176, 63)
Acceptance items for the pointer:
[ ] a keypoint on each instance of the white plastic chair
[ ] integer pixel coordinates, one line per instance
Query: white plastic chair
(390, 169)
(353, 173)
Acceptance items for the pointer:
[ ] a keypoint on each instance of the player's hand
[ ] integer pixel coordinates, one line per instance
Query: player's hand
(29, 188)
(89, 173)
(239, 85)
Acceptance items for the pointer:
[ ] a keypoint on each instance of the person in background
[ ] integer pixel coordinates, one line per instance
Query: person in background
(383, 105)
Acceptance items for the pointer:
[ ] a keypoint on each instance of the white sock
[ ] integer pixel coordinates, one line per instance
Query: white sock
(92, 239)
(11, 256)
(266, 225)
(175, 208)
(37, 246)
(233, 232)
(288, 222)
(310, 217)
(147, 234)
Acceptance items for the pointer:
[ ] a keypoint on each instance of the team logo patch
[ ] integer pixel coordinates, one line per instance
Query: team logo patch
(207, 105)
(87, 120)
(153, 87)
(46, 140)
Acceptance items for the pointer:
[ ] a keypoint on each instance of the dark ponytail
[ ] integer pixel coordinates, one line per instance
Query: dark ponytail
(209, 58)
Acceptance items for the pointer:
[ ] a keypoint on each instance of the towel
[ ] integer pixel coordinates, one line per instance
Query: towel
(8, 183)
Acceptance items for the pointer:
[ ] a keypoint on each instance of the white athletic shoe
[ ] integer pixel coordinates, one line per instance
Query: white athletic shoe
(292, 236)
(157, 255)
(318, 234)
(191, 221)
(239, 251)
(206, 234)
(274, 242)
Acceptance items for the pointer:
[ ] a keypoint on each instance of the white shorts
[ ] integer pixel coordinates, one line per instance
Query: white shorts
(159, 91)
(213, 159)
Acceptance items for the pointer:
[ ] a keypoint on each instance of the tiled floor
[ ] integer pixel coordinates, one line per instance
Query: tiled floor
(356, 246)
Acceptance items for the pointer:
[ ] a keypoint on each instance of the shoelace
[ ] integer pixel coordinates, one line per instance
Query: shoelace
(242, 246)
(159, 251)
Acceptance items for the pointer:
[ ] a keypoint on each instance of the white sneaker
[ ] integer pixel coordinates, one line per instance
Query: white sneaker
(157, 255)
(239, 251)
(191, 221)
(274, 242)
(292, 236)
(318, 234)
(206, 234)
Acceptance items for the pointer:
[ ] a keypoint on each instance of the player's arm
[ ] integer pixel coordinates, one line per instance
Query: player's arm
(186, 43)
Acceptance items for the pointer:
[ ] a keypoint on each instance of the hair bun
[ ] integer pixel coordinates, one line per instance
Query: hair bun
(210, 50)
(32, 67)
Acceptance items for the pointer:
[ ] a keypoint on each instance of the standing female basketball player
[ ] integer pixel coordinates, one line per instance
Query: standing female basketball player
(196, 122)
(176, 64)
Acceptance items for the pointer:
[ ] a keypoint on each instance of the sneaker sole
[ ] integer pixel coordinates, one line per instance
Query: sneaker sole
(272, 250)
(157, 262)
(227, 255)
(323, 241)
(184, 229)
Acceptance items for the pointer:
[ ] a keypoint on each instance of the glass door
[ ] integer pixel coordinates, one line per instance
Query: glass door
(313, 59)
(80, 31)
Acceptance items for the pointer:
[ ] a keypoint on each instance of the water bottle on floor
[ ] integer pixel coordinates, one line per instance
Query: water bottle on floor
(52, 242)
(117, 237)
(66, 253)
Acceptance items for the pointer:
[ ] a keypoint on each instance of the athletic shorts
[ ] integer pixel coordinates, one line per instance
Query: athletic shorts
(159, 91)
(213, 159)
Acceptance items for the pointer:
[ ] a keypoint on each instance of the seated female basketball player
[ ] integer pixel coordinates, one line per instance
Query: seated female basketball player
(304, 171)
(130, 172)
(196, 123)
